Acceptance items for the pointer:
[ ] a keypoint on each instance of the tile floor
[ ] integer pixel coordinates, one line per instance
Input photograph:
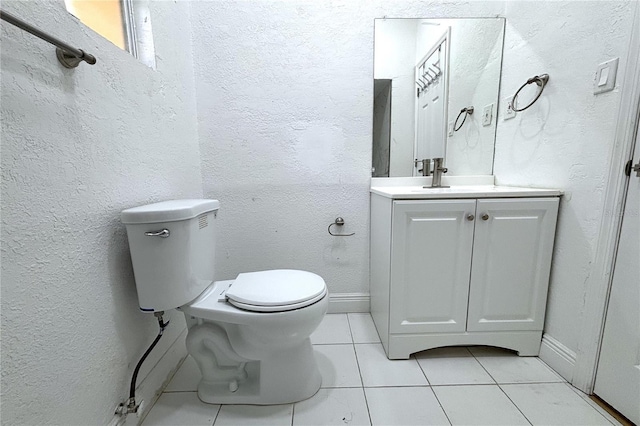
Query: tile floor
(459, 386)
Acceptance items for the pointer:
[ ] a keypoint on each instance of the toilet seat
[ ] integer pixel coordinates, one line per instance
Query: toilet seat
(280, 308)
(276, 290)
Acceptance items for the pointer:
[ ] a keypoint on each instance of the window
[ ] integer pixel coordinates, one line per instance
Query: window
(125, 23)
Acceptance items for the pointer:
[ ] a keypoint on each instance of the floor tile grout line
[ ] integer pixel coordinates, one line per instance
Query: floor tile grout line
(343, 387)
(366, 401)
(544, 364)
(215, 419)
(550, 369)
(515, 405)
(562, 380)
(424, 373)
(528, 383)
(353, 346)
(397, 386)
(463, 384)
(368, 314)
(580, 394)
(441, 406)
(482, 365)
(350, 330)
(293, 409)
(369, 343)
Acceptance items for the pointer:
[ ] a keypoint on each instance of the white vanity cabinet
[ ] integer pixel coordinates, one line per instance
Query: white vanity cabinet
(467, 271)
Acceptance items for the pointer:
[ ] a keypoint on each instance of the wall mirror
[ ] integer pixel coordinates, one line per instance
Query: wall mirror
(436, 86)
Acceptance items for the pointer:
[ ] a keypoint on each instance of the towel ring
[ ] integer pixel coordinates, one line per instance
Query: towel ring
(466, 111)
(541, 80)
(339, 222)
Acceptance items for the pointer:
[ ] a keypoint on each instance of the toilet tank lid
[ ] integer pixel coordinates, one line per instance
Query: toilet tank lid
(168, 211)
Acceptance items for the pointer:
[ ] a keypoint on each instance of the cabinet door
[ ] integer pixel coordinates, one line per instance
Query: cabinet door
(430, 265)
(511, 262)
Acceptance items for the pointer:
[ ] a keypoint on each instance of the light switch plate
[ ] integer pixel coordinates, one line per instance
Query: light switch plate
(508, 111)
(605, 78)
(487, 115)
(450, 127)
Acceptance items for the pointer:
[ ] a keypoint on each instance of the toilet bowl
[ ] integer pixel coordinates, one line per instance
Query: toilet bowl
(249, 336)
(255, 357)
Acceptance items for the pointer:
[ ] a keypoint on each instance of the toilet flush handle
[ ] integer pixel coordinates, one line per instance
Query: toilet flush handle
(163, 233)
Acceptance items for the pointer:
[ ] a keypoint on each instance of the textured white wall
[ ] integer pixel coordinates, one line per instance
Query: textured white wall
(565, 139)
(285, 101)
(78, 146)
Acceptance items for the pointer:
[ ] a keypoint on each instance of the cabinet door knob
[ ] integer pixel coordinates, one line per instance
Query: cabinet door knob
(485, 216)
(470, 217)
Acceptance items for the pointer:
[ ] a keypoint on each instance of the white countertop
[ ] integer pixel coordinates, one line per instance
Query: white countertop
(417, 192)
(422, 181)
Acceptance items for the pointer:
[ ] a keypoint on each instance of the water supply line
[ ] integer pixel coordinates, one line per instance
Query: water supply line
(131, 406)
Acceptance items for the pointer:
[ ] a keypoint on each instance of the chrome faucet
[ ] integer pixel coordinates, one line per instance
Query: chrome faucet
(438, 170)
(426, 166)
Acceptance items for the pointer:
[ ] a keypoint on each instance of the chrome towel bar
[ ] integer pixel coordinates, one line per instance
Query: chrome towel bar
(69, 56)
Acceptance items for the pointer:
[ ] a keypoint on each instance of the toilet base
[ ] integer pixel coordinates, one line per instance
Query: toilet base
(284, 377)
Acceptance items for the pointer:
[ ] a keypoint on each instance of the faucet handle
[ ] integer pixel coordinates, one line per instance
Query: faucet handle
(437, 165)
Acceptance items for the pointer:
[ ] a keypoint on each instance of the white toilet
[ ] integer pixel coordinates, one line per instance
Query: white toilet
(250, 335)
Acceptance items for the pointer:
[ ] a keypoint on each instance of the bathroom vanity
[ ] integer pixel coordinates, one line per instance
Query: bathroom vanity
(464, 265)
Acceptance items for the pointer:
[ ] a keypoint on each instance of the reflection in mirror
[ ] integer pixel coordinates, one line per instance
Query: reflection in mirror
(427, 74)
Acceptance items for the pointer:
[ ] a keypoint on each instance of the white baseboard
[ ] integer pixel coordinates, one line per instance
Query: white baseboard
(341, 303)
(558, 356)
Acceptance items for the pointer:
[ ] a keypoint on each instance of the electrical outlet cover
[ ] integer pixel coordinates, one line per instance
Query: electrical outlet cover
(487, 115)
(508, 111)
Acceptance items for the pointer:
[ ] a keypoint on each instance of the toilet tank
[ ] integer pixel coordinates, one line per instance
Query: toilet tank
(172, 246)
